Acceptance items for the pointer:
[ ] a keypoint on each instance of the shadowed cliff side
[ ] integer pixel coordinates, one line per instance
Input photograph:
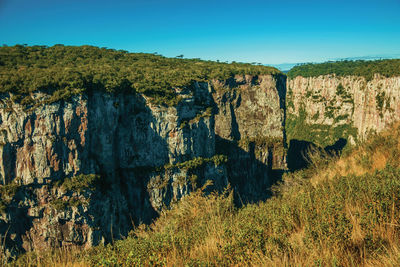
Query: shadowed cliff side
(250, 115)
(300, 152)
(87, 170)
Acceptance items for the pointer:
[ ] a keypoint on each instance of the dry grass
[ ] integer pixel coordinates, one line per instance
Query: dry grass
(380, 150)
(66, 257)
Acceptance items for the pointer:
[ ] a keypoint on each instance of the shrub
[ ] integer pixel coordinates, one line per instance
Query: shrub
(7, 192)
(80, 182)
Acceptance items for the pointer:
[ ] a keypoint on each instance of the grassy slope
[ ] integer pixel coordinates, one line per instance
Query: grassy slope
(340, 211)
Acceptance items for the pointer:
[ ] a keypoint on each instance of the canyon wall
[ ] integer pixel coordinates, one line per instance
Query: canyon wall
(86, 170)
(249, 124)
(326, 108)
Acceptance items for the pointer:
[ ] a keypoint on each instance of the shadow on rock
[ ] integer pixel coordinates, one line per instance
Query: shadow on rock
(250, 178)
(298, 156)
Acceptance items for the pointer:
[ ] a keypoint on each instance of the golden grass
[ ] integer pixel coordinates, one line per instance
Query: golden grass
(65, 257)
(354, 163)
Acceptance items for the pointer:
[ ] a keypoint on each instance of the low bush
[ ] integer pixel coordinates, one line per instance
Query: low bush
(79, 182)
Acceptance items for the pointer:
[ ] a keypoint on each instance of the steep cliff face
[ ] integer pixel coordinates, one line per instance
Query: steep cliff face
(249, 124)
(94, 140)
(84, 170)
(325, 108)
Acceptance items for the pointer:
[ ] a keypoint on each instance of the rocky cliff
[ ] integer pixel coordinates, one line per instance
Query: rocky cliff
(326, 108)
(86, 170)
(81, 166)
(249, 124)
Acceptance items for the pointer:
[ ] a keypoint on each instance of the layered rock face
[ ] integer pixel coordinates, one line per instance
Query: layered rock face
(86, 170)
(249, 124)
(49, 156)
(325, 108)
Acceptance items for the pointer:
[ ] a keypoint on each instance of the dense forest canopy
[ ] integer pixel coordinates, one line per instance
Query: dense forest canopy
(63, 71)
(367, 69)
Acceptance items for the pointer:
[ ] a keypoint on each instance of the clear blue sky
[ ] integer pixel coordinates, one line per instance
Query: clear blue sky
(268, 32)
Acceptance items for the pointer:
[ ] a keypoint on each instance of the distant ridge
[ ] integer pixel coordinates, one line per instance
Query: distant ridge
(285, 67)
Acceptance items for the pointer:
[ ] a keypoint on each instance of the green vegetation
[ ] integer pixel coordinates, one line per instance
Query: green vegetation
(189, 166)
(367, 69)
(383, 103)
(341, 117)
(3, 206)
(196, 163)
(64, 71)
(320, 134)
(260, 142)
(61, 205)
(205, 114)
(315, 116)
(7, 193)
(79, 183)
(339, 212)
(341, 91)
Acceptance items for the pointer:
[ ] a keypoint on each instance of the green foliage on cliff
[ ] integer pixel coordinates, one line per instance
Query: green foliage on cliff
(367, 69)
(319, 134)
(382, 103)
(63, 71)
(62, 205)
(203, 114)
(196, 163)
(260, 142)
(8, 191)
(79, 183)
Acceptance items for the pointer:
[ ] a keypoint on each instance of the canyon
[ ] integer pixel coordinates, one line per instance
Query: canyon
(85, 171)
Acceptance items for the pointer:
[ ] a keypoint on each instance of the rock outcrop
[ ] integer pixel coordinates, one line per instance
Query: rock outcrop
(50, 154)
(249, 124)
(325, 108)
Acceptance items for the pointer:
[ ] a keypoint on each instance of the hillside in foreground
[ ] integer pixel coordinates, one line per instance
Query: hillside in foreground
(341, 211)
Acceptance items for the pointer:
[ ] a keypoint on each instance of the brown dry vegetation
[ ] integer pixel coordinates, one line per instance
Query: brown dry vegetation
(342, 211)
(380, 150)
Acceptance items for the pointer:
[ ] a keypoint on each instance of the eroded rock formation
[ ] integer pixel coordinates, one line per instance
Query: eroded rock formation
(249, 126)
(85, 170)
(325, 108)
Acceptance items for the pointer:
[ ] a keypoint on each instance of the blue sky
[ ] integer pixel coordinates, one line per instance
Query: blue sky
(269, 32)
